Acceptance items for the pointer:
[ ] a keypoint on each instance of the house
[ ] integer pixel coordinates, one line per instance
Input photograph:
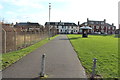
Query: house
(99, 27)
(7, 24)
(28, 26)
(64, 27)
(118, 30)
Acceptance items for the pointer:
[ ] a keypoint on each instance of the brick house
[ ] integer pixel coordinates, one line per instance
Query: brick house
(7, 24)
(28, 26)
(99, 27)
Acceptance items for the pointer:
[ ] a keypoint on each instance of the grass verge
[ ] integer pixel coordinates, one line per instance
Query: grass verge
(9, 58)
(104, 48)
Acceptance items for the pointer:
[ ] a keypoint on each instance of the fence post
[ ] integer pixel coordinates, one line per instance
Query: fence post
(1, 38)
(39, 34)
(42, 73)
(28, 35)
(24, 38)
(4, 41)
(93, 69)
(15, 33)
(30, 32)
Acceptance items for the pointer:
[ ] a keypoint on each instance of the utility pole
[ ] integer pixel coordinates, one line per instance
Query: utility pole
(49, 20)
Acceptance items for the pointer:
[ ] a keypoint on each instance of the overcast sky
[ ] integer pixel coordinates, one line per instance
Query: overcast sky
(64, 10)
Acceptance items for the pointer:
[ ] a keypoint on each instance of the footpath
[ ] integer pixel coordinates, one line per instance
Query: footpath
(61, 62)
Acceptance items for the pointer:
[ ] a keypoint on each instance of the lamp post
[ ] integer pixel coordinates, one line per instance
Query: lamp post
(49, 20)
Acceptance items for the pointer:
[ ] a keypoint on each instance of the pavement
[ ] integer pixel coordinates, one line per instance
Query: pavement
(61, 62)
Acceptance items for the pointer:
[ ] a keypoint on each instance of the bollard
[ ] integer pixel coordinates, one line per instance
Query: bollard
(93, 69)
(42, 73)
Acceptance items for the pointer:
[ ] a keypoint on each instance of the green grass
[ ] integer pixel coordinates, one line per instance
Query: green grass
(104, 48)
(9, 58)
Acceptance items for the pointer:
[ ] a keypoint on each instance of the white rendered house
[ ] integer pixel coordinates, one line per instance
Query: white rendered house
(64, 27)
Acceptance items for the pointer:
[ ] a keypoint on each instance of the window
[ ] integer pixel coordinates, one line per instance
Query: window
(56, 23)
(102, 27)
(69, 26)
(102, 22)
(62, 26)
(61, 30)
(113, 28)
(92, 22)
(72, 26)
(92, 27)
(102, 31)
(96, 22)
(97, 27)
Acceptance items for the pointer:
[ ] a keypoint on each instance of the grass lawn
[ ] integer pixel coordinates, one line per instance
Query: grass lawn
(104, 48)
(11, 57)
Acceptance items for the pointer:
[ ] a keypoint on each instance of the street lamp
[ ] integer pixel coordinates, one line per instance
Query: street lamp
(49, 20)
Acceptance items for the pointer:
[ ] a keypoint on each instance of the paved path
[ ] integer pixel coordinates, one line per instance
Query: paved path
(61, 62)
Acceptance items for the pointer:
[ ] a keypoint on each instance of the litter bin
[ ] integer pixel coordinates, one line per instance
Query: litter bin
(84, 33)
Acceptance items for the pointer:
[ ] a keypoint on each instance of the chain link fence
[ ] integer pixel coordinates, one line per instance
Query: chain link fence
(16, 38)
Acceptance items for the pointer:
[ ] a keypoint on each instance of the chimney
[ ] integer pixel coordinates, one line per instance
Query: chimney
(60, 21)
(78, 23)
(104, 20)
(87, 19)
(12, 24)
(112, 24)
(16, 22)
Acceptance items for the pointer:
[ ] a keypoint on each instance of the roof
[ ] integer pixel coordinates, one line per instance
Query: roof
(84, 23)
(107, 24)
(95, 23)
(27, 24)
(61, 23)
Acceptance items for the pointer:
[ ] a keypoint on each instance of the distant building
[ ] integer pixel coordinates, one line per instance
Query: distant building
(28, 25)
(7, 24)
(99, 27)
(64, 27)
(118, 30)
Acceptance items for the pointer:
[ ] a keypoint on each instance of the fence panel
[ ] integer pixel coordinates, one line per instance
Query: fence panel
(17, 38)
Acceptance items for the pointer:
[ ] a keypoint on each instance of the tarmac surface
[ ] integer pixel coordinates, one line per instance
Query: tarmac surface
(61, 61)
